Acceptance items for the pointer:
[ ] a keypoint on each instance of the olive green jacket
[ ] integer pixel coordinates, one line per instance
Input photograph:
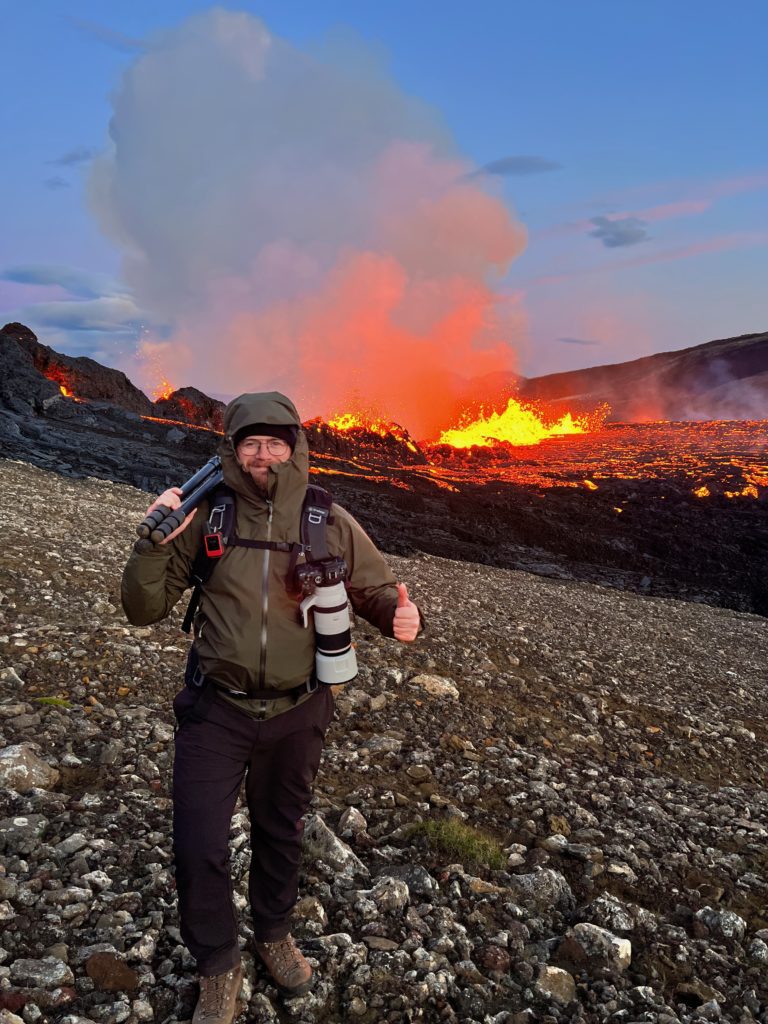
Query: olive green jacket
(247, 634)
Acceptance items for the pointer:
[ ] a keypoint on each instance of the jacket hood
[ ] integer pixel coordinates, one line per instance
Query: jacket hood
(262, 407)
(288, 480)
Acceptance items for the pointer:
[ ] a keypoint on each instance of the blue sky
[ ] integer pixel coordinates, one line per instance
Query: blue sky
(626, 141)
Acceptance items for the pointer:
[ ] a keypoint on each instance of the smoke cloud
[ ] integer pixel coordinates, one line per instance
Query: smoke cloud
(296, 221)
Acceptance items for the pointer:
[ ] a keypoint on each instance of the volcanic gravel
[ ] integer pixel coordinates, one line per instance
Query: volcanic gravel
(613, 744)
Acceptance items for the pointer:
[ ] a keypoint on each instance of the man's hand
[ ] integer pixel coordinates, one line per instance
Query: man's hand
(171, 499)
(406, 621)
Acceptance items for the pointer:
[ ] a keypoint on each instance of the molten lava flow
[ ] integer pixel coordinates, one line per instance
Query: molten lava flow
(182, 423)
(61, 377)
(356, 421)
(748, 491)
(352, 421)
(162, 390)
(520, 425)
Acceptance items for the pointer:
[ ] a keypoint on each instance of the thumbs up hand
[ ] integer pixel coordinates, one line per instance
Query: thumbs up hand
(406, 621)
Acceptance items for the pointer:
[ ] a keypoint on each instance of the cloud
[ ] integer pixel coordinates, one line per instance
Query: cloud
(115, 315)
(301, 222)
(687, 190)
(79, 283)
(516, 166)
(78, 155)
(109, 37)
(619, 232)
(719, 243)
(56, 182)
(579, 341)
(670, 211)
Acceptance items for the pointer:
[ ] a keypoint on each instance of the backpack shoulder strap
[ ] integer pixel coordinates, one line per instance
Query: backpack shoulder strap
(218, 531)
(315, 516)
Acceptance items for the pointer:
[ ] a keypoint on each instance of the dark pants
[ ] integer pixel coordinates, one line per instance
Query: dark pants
(278, 758)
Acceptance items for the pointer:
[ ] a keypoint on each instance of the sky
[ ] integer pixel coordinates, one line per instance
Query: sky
(381, 199)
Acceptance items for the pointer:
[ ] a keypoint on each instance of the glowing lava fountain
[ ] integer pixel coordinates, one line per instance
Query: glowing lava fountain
(162, 390)
(520, 425)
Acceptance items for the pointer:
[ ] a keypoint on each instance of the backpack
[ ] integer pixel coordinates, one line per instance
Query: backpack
(220, 533)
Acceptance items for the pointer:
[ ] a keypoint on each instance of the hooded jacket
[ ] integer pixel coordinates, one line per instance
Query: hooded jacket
(247, 633)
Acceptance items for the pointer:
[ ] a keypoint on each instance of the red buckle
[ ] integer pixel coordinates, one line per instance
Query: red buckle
(213, 546)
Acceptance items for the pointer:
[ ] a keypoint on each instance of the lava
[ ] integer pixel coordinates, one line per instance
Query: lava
(712, 459)
(162, 390)
(181, 423)
(61, 377)
(520, 424)
(351, 422)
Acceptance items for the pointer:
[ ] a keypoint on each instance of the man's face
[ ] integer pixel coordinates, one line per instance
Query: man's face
(257, 452)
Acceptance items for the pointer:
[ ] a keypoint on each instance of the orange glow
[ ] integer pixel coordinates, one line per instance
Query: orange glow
(356, 421)
(590, 485)
(520, 425)
(716, 455)
(182, 423)
(63, 378)
(749, 491)
(162, 390)
(352, 421)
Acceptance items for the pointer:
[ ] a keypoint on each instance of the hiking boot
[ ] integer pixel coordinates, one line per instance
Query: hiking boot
(288, 967)
(218, 997)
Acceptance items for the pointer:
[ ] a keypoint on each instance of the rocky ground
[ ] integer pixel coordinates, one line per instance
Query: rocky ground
(613, 745)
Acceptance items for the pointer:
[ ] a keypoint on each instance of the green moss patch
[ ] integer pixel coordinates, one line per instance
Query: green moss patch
(460, 842)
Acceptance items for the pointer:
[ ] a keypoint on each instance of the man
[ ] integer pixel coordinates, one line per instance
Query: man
(264, 717)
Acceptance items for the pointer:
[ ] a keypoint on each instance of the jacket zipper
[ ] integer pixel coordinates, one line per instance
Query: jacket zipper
(265, 601)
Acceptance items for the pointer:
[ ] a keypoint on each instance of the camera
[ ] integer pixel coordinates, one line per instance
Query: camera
(322, 583)
(320, 574)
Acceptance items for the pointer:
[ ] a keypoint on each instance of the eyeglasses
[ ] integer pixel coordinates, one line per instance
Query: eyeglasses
(273, 445)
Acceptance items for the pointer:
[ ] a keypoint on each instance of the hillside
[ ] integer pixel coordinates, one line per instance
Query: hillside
(613, 745)
(725, 379)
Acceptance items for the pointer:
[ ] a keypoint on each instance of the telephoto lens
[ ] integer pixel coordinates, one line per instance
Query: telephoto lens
(335, 658)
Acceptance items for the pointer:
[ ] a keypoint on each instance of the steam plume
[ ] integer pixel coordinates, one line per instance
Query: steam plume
(298, 222)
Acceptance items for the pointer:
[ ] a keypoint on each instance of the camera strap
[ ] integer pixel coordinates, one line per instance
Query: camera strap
(314, 521)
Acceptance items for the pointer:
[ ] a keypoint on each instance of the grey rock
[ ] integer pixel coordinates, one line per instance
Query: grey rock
(724, 924)
(47, 973)
(70, 845)
(588, 943)
(21, 769)
(322, 844)
(555, 983)
(390, 895)
(352, 822)
(542, 891)
(21, 834)
(416, 877)
(436, 686)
